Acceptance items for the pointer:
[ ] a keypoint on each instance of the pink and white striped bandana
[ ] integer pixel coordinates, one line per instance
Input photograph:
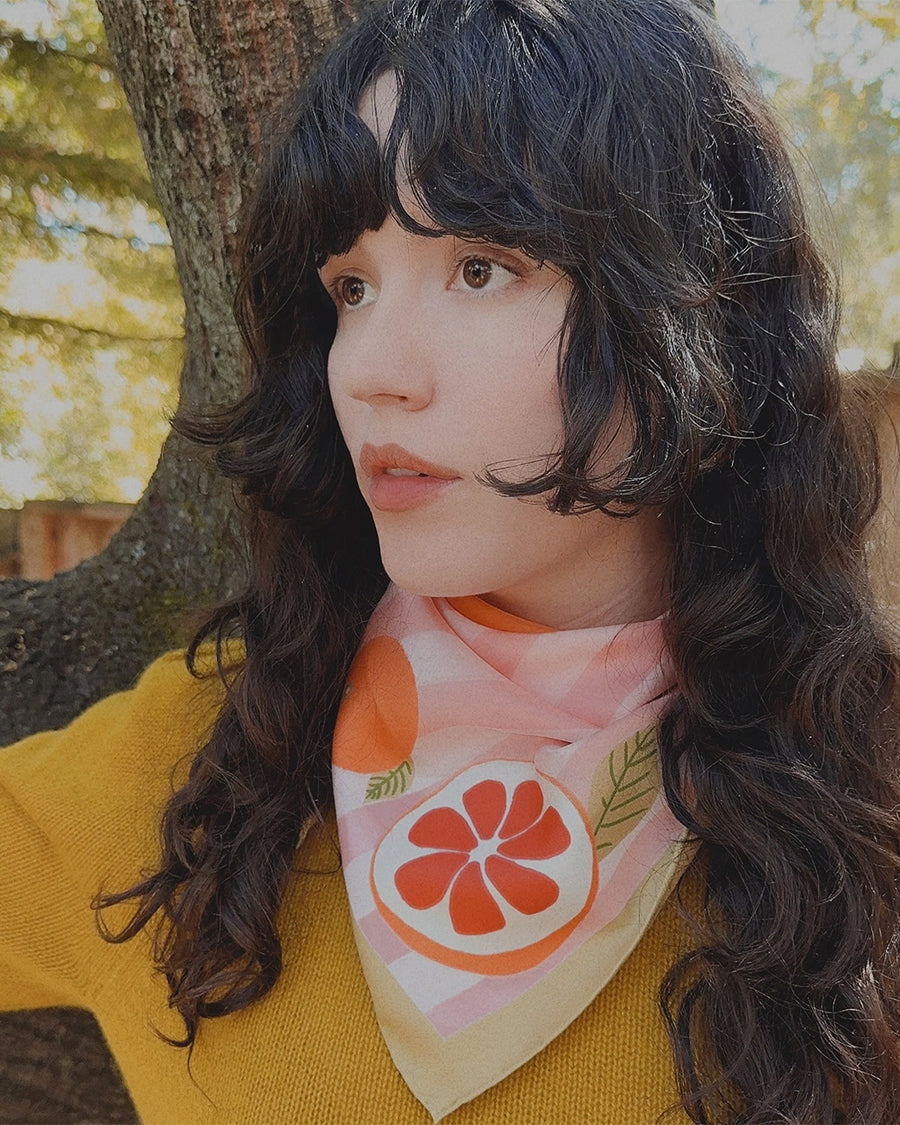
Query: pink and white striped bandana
(504, 837)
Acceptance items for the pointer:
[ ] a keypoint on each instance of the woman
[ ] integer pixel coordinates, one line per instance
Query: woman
(538, 333)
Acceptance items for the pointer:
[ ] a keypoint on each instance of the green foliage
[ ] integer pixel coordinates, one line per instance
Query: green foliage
(854, 146)
(880, 14)
(90, 308)
(831, 68)
(850, 131)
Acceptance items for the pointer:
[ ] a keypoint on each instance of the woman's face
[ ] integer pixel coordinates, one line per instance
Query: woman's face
(445, 363)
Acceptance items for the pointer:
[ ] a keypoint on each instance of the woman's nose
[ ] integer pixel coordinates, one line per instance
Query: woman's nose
(385, 356)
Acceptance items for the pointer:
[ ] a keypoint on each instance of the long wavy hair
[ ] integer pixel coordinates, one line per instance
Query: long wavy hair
(623, 141)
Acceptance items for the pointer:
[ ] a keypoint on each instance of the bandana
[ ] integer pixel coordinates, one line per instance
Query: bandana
(504, 837)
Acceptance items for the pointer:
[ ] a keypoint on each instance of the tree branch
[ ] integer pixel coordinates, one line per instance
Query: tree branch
(22, 51)
(25, 224)
(78, 167)
(34, 326)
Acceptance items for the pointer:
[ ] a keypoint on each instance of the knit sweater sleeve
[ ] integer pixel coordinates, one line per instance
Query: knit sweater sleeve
(79, 812)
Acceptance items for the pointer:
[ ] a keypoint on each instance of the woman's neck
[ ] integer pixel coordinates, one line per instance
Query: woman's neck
(624, 579)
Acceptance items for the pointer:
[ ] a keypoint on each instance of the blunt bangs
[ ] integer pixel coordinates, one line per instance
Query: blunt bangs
(478, 84)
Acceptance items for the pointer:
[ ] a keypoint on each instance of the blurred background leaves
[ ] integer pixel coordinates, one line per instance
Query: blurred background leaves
(832, 70)
(90, 308)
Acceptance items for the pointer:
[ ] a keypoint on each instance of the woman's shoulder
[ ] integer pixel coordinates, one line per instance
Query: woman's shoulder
(169, 707)
(99, 785)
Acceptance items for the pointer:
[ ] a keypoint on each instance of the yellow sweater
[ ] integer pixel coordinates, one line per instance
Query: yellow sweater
(79, 809)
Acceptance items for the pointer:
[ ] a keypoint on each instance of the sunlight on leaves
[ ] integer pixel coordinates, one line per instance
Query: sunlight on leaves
(90, 307)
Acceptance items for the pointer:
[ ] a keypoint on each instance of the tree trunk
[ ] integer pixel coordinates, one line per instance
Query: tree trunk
(204, 79)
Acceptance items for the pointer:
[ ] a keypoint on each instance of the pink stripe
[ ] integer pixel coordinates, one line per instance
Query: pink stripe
(490, 703)
(628, 688)
(361, 834)
(502, 651)
(382, 938)
(637, 854)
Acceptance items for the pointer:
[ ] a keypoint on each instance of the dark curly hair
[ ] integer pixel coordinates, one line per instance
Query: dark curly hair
(623, 141)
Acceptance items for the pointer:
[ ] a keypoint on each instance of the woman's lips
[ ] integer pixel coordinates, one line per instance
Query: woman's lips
(400, 491)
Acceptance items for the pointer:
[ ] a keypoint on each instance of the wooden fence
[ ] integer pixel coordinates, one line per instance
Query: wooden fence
(45, 537)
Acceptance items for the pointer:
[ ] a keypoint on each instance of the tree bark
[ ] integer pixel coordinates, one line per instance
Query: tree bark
(204, 79)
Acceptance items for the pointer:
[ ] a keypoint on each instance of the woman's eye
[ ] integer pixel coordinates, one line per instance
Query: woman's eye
(351, 292)
(484, 273)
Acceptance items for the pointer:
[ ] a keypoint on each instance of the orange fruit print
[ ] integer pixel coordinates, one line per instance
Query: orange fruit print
(378, 721)
(491, 873)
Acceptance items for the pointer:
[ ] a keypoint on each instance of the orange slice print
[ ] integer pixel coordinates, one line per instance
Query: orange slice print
(529, 896)
(491, 873)
(378, 720)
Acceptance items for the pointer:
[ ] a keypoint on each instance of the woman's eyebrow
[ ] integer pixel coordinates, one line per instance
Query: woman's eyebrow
(333, 261)
(491, 245)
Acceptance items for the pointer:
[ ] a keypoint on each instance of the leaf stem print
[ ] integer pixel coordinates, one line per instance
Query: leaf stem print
(632, 780)
(390, 784)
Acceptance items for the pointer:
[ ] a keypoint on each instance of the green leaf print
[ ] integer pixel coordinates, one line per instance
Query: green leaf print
(624, 788)
(390, 784)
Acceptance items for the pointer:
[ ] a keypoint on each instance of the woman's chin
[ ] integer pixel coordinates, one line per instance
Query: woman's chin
(427, 587)
(416, 577)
